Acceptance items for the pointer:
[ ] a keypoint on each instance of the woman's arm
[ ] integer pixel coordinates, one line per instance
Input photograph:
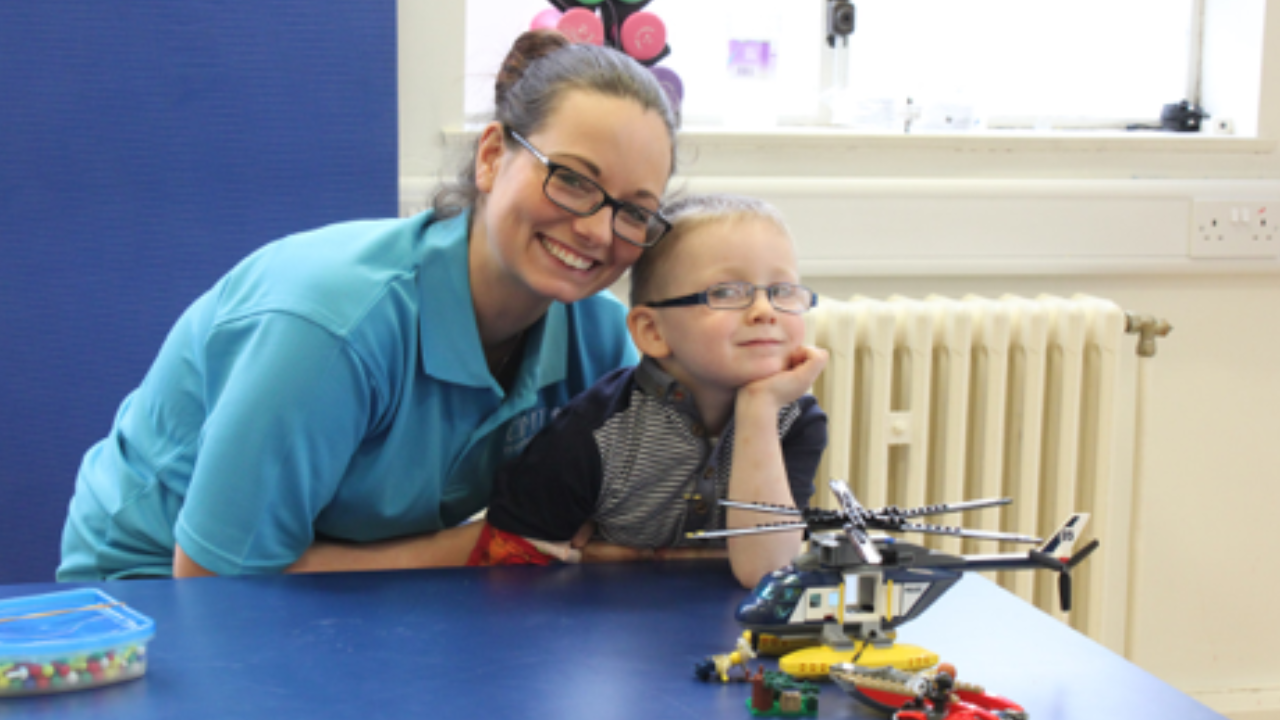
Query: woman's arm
(446, 548)
(759, 472)
(185, 567)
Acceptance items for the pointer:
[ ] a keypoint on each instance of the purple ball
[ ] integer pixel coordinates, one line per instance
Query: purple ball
(670, 83)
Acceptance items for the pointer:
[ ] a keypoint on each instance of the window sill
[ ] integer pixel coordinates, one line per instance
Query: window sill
(1031, 141)
(987, 140)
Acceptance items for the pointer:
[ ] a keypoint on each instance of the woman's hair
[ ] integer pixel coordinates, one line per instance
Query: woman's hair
(687, 214)
(540, 68)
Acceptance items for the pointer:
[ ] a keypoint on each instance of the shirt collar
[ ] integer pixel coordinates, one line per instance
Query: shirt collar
(450, 341)
(655, 381)
(543, 363)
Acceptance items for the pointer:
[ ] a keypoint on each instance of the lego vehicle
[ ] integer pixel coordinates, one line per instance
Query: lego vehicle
(923, 696)
(850, 591)
(939, 699)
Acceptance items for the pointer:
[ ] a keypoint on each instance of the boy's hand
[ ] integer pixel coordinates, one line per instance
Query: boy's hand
(803, 368)
(583, 536)
(600, 551)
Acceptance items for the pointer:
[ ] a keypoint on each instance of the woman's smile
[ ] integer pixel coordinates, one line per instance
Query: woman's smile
(565, 254)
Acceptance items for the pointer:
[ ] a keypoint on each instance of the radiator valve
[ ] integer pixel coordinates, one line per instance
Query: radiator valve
(1147, 329)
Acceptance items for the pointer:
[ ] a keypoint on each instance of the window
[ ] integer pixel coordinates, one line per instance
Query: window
(1014, 61)
(943, 65)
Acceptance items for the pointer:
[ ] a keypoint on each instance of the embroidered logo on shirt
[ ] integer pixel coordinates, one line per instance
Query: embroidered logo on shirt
(522, 428)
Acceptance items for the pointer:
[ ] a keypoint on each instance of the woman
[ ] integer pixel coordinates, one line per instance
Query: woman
(344, 394)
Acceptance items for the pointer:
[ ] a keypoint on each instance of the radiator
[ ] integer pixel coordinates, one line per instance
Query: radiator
(938, 400)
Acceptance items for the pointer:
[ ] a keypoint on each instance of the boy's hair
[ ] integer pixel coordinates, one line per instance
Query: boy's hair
(685, 215)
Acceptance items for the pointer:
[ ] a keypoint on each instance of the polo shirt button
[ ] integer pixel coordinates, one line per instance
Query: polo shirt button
(709, 472)
(700, 507)
(697, 431)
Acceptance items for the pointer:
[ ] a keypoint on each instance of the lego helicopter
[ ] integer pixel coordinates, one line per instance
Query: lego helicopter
(850, 590)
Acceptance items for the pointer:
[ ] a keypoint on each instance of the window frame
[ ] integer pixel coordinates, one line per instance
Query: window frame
(1177, 167)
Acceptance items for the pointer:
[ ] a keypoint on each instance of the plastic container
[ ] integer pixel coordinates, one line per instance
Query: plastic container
(73, 640)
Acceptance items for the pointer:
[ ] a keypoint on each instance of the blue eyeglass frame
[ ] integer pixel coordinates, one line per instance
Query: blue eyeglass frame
(701, 298)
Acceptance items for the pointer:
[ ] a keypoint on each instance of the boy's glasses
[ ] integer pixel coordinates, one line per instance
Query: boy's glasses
(784, 297)
(584, 197)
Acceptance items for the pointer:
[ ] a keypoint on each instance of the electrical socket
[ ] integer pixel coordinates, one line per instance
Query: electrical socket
(1235, 229)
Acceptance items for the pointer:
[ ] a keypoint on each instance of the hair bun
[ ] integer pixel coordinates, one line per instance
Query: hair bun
(531, 45)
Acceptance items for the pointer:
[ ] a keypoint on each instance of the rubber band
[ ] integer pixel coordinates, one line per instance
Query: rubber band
(51, 613)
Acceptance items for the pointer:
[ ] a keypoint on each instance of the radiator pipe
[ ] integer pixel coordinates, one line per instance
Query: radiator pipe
(1147, 328)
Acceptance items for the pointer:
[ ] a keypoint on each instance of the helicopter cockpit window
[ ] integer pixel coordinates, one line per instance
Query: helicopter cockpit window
(782, 593)
(786, 589)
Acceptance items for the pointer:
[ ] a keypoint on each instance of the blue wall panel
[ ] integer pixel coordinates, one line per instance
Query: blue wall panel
(145, 147)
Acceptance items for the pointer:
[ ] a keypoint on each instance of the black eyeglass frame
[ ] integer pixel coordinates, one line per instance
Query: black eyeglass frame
(605, 198)
(703, 298)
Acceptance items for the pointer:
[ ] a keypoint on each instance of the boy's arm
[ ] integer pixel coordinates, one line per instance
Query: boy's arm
(550, 491)
(802, 448)
(760, 472)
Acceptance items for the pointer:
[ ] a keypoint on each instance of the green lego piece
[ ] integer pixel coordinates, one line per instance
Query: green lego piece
(777, 683)
(808, 708)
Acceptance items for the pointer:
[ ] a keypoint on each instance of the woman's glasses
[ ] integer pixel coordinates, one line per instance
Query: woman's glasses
(583, 197)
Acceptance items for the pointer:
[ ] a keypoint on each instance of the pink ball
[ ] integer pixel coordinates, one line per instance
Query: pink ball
(545, 20)
(581, 25)
(644, 36)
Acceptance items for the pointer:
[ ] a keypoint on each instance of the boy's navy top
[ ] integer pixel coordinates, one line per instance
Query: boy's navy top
(631, 454)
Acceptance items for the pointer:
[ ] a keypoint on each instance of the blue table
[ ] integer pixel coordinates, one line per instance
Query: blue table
(603, 641)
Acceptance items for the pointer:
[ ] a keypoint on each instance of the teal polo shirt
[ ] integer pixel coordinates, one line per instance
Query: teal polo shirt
(332, 385)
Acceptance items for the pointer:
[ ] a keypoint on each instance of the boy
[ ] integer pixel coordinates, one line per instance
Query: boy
(716, 409)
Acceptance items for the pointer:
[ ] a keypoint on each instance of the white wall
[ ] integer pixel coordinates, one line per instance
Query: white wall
(1204, 585)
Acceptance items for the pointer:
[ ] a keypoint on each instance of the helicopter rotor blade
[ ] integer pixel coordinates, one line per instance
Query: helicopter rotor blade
(951, 507)
(759, 529)
(1064, 576)
(761, 507)
(1084, 553)
(862, 543)
(853, 510)
(964, 532)
(855, 526)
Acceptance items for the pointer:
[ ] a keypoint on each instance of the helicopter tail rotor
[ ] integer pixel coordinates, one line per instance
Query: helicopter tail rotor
(1064, 579)
(1064, 570)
